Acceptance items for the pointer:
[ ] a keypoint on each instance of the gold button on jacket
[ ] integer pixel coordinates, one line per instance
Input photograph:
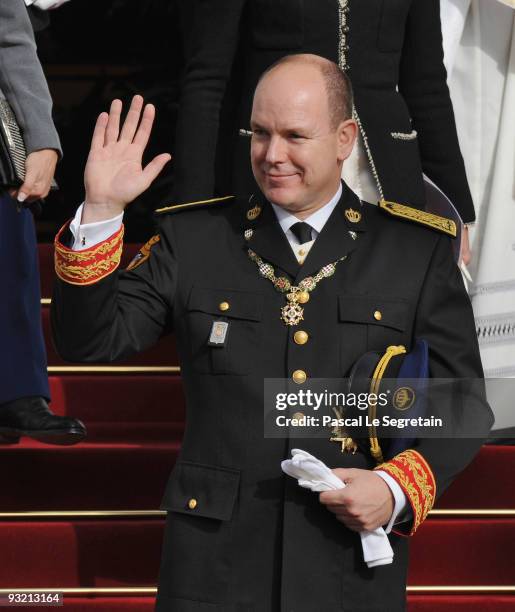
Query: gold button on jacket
(299, 376)
(300, 337)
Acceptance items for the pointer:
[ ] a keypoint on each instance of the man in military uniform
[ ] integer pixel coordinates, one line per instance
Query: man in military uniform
(298, 283)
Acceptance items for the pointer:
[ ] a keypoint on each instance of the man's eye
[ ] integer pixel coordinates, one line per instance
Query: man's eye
(258, 132)
(296, 136)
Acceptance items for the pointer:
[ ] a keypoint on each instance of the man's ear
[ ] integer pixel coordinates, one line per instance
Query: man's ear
(346, 133)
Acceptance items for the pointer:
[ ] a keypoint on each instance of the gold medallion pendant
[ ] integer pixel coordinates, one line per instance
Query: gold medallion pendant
(292, 313)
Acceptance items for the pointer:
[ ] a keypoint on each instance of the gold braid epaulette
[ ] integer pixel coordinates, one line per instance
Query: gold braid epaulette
(442, 224)
(87, 266)
(412, 473)
(191, 205)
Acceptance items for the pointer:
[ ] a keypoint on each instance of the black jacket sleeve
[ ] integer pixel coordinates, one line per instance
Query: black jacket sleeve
(445, 319)
(125, 312)
(422, 82)
(456, 393)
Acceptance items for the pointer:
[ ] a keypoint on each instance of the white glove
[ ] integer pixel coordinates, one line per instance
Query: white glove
(45, 5)
(313, 474)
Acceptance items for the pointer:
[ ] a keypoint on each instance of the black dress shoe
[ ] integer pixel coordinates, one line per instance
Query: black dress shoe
(30, 416)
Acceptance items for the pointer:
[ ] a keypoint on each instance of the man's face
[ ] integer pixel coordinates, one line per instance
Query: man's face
(296, 153)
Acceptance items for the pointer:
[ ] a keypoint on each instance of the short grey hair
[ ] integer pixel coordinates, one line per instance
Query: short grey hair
(340, 97)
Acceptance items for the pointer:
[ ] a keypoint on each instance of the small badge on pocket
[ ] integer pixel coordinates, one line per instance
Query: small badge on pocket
(219, 332)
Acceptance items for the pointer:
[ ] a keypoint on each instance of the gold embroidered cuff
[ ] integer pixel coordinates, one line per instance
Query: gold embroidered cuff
(89, 265)
(412, 473)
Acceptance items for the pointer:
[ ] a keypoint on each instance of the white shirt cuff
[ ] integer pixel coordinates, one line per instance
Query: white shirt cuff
(88, 235)
(399, 496)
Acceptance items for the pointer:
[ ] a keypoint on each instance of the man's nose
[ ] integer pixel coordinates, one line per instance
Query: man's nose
(276, 150)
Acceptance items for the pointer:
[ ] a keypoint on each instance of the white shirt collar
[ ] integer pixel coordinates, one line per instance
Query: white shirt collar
(317, 220)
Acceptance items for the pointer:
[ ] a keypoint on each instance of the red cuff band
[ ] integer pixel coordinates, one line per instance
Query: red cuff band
(413, 474)
(89, 265)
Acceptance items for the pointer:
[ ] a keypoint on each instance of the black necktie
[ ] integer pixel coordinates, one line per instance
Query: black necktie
(302, 231)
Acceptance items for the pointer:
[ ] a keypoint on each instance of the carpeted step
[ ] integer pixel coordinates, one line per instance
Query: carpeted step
(462, 551)
(416, 603)
(99, 553)
(460, 603)
(126, 465)
(164, 353)
(122, 399)
(485, 483)
(120, 603)
(80, 553)
(104, 475)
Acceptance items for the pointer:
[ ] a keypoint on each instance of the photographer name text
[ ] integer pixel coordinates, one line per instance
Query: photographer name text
(362, 420)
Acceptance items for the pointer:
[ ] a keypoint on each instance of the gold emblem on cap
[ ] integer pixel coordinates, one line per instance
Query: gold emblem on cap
(352, 215)
(253, 213)
(403, 398)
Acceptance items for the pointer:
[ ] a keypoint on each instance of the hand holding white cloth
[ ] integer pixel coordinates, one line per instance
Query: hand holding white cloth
(313, 474)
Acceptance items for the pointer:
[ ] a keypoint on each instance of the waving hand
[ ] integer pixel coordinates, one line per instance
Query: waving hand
(114, 174)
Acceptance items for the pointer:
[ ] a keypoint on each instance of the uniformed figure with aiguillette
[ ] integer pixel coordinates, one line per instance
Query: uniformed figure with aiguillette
(307, 279)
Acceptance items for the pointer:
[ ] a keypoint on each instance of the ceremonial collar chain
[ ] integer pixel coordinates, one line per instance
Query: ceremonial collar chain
(293, 312)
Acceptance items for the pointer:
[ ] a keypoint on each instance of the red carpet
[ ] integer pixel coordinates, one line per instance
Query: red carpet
(73, 603)
(81, 553)
(418, 603)
(135, 423)
(460, 603)
(109, 552)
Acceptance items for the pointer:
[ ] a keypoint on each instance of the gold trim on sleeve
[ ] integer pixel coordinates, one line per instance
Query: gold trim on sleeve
(88, 266)
(175, 207)
(416, 479)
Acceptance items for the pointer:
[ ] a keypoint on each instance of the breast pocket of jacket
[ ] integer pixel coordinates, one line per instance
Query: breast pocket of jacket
(392, 24)
(371, 323)
(277, 24)
(224, 330)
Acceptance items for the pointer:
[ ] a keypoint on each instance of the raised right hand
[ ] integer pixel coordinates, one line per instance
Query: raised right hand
(114, 175)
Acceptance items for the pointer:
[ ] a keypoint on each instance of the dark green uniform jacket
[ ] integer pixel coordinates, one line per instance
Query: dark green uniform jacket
(254, 540)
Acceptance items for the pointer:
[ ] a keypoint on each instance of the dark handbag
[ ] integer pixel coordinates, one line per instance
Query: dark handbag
(12, 148)
(13, 155)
